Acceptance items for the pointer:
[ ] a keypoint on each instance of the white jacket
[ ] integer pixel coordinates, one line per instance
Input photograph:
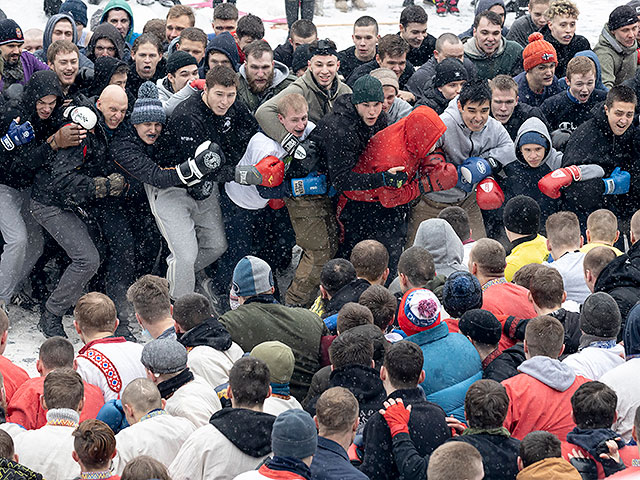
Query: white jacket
(570, 267)
(276, 404)
(209, 455)
(159, 435)
(624, 381)
(196, 401)
(593, 362)
(213, 365)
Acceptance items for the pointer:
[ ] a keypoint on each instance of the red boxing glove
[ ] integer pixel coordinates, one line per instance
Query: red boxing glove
(397, 417)
(434, 158)
(551, 183)
(276, 203)
(489, 195)
(442, 176)
(272, 170)
(198, 84)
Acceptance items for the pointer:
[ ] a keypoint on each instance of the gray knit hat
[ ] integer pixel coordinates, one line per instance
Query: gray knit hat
(148, 107)
(600, 316)
(294, 435)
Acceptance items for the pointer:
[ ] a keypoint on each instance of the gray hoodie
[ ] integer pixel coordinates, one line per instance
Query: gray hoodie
(439, 238)
(550, 371)
(533, 124)
(281, 80)
(84, 62)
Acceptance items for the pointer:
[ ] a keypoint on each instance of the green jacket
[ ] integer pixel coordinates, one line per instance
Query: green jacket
(507, 60)
(617, 62)
(281, 80)
(123, 5)
(256, 322)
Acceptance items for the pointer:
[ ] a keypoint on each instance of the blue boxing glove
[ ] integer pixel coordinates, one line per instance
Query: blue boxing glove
(617, 183)
(476, 169)
(462, 183)
(312, 184)
(113, 415)
(17, 135)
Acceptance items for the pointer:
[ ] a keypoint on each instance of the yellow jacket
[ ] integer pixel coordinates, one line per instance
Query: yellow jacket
(590, 246)
(533, 251)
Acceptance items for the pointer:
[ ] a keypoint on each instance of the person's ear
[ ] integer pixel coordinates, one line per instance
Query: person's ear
(383, 373)
(269, 392)
(139, 319)
(75, 457)
(164, 403)
(459, 106)
(564, 296)
(588, 234)
(43, 403)
(520, 464)
(617, 236)
(561, 350)
(117, 323)
(355, 425)
(81, 405)
(378, 58)
(171, 310)
(634, 433)
(385, 275)
(422, 376)
(581, 241)
(77, 327)
(525, 346)
(16, 458)
(323, 292)
(230, 393)
(529, 297)
(5, 335)
(315, 420)
(39, 366)
(549, 245)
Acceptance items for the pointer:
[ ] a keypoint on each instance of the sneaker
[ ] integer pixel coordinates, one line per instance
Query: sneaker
(342, 5)
(360, 4)
(23, 300)
(167, 3)
(146, 2)
(51, 325)
(441, 9)
(452, 7)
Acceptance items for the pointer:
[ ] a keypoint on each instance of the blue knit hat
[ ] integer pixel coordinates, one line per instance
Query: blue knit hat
(533, 137)
(251, 277)
(294, 435)
(77, 9)
(461, 292)
(148, 107)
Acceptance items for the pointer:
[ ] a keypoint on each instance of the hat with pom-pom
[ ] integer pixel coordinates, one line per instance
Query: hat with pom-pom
(419, 311)
(148, 107)
(538, 51)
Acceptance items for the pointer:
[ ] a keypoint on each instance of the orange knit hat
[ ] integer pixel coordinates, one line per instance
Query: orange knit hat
(538, 51)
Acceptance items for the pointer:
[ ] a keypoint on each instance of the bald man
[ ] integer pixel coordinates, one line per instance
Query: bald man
(82, 183)
(152, 430)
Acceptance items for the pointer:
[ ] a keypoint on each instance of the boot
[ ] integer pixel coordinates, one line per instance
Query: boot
(341, 5)
(441, 8)
(360, 4)
(51, 325)
(452, 7)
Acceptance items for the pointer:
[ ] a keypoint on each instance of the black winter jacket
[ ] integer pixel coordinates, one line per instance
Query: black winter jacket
(563, 111)
(349, 293)
(422, 80)
(421, 55)
(434, 99)
(499, 454)
(521, 113)
(565, 52)
(348, 61)
(501, 365)
(210, 333)
(514, 328)
(284, 54)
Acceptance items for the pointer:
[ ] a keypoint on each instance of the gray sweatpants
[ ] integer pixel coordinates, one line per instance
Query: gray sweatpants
(23, 240)
(193, 230)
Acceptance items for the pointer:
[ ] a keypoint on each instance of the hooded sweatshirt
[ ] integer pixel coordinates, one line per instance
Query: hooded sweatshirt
(84, 62)
(123, 5)
(104, 68)
(507, 59)
(281, 80)
(617, 61)
(225, 44)
(556, 468)
(540, 398)
(594, 58)
(106, 30)
(481, 6)
(439, 238)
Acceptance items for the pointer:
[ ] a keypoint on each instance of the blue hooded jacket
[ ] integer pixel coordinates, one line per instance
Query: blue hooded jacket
(562, 83)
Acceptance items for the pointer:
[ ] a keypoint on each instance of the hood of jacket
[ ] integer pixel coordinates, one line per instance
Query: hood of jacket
(48, 30)
(210, 333)
(607, 38)
(423, 131)
(439, 238)
(104, 67)
(632, 332)
(534, 124)
(363, 382)
(123, 5)
(621, 272)
(248, 430)
(105, 30)
(482, 5)
(591, 55)
(280, 73)
(225, 44)
(473, 52)
(556, 468)
(550, 371)
(41, 84)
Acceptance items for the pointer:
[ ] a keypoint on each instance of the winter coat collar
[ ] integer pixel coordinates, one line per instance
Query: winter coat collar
(209, 333)
(248, 430)
(110, 339)
(285, 468)
(471, 49)
(169, 387)
(606, 37)
(550, 371)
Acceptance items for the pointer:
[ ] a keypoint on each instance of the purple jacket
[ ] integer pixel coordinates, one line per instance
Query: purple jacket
(30, 64)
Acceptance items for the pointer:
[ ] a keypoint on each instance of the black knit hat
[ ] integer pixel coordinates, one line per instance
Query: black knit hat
(621, 17)
(481, 326)
(179, 59)
(10, 32)
(77, 9)
(461, 292)
(301, 57)
(367, 89)
(449, 70)
(600, 316)
(522, 215)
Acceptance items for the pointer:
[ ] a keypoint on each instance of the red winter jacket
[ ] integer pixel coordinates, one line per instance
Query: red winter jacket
(405, 143)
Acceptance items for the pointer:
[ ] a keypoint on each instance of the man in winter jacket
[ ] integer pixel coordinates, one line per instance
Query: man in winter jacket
(236, 439)
(449, 78)
(541, 458)
(401, 374)
(119, 14)
(61, 27)
(18, 66)
(490, 52)
(540, 395)
(106, 41)
(538, 81)
(365, 38)
(413, 29)
(531, 22)
(302, 32)
(212, 353)
(617, 46)
(146, 62)
(395, 107)
(182, 69)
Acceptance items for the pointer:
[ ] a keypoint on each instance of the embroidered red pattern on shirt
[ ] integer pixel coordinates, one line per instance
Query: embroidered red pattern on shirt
(107, 368)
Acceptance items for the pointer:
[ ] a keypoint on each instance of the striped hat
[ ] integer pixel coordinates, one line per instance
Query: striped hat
(251, 277)
(148, 107)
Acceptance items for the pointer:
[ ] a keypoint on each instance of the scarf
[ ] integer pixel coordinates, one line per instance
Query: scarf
(288, 464)
(487, 431)
(280, 389)
(169, 387)
(13, 73)
(587, 340)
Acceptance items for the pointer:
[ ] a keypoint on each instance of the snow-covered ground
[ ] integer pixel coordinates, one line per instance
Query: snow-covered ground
(24, 338)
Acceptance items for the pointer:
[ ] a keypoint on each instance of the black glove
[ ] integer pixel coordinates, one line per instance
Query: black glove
(395, 180)
(207, 159)
(201, 190)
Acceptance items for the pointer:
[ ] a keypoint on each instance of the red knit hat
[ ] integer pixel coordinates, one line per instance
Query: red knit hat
(538, 51)
(419, 311)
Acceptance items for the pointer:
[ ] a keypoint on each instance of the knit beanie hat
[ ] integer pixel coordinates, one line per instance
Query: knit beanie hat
(635, 4)
(386, 77)
(367, 89)
(449, 70)
(294, 435)
(522, 215)
(481, 326)
(179, 59)
(461, 292)
(533, 137)
(301, 57)
(10, 32)
(164, 355)
(419, 311)
(621, 17)
(148, 107)
(77, 9)
(600, 316)
(278, 357)
(251, 276)
(538, 51)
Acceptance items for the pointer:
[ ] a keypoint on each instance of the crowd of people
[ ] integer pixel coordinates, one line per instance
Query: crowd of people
(465, 304)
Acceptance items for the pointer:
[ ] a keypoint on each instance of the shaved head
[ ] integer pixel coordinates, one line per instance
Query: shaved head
(142, 395)
(113, 103)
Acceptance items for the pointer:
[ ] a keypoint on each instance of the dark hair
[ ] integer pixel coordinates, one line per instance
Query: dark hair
(144, 468)
(257, 49)
(524, 275)
(303, 28)
(486, 404)
(120, 69)
(620, 93)
(250, 26)
(221, 75)
(351, 348)
(597, 259)
(547, 287)
(403, 362)
(336, 274)
(352, 315)
(382, 304)
(594, 406)
(366, 21)
(182, 11)
(477, 91)
(150, 297)
(489, 255)
(392, 46)
(63, 388)
(194, 34)
(539, 445)
(157, 27)
(56, 352)
(417, 264)
(492, 17)
(370, 258)
(413, 14)
(225, 11)
(147, 38)
(458, 218)
(380, 343)
(95, 443)
(447, 38)
(544, 336)
(249, 380)
(7, 449)
(191, 310)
